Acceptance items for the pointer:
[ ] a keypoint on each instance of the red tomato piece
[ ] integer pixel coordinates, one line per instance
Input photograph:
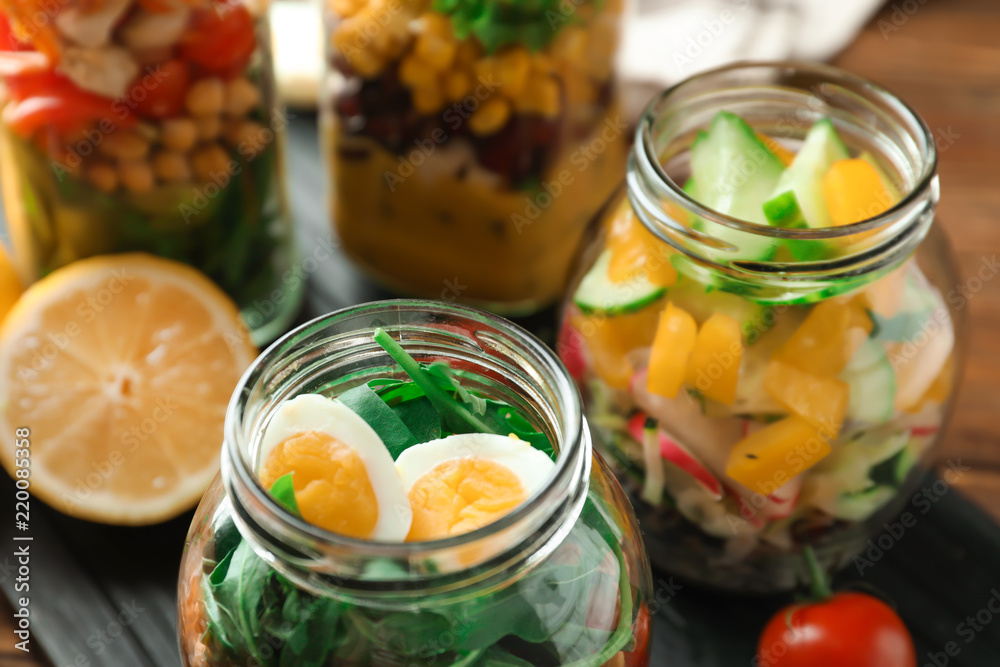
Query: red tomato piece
(220, 39)
(847, 629)
(640, 656)
(162, 96)
(48, 99)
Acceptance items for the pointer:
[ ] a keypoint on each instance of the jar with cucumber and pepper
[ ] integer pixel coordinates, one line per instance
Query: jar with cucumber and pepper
(147, 125)
(760, 325)
(469, 144)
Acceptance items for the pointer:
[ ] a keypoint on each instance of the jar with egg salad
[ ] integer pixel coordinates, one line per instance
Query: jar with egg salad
(409, 482)
(470, 143)
(147, 125)
(760, 326)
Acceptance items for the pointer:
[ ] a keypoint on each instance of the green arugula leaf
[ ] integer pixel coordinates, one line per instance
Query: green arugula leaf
(284, 492)
(453, 412)
(241, 593)
(309, 629)
(364, 402)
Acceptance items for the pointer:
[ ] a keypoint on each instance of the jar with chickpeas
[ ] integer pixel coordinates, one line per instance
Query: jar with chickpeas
(147, 125)
(469, 143)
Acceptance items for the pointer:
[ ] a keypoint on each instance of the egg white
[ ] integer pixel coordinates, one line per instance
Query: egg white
(531, 466)
(313, 412)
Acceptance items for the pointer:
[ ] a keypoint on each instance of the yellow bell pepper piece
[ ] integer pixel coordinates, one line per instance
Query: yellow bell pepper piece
(854, 192)
(714, 367)
(608, 341)
(672, 346)
(637, 252)
(822, 401)
(826, 340)
(767, 459)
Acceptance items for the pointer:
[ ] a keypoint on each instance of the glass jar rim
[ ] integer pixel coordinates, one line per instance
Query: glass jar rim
(573, 455)
(650, 159)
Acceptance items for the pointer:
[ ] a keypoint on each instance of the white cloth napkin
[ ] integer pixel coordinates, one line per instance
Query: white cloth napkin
(664, 41)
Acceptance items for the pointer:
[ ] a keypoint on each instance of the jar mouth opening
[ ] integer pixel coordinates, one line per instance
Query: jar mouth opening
(239, 468)
(649, 156)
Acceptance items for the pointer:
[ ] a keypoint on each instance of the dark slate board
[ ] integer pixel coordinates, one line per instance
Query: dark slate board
(86, 577)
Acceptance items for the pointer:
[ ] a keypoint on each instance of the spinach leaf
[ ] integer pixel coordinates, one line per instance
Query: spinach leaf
(308, 630)
(364, 402)
(241, 594)
(442, 372)
(421, 417)
(284, 492)
(498, 656)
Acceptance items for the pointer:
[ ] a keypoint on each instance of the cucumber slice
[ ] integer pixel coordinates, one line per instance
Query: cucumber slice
(873, 384)
(597, 294)
(821, 148)
(784, 211)
(860, 506)
(918, 304)
(736, 173)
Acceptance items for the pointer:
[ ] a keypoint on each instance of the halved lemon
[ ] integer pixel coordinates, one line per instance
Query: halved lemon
(10, 285)
(121, 368)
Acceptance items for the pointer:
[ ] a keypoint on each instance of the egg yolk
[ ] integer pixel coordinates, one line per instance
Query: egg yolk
(331, 483)
(461, 495)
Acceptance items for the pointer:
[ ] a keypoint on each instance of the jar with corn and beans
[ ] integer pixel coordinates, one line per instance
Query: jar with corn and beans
(469, 144)
(145, 125)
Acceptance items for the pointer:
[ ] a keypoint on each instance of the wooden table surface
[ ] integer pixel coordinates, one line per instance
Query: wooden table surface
(944, 59)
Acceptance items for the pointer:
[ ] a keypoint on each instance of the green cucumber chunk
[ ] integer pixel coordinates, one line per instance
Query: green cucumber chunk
(784, 211)
(702, 302)
(736, 173)
(821, 148)
(597, 294)
(873, 384)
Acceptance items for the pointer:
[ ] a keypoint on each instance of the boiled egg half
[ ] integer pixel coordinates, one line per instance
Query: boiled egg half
(463, 482)
(344, 478)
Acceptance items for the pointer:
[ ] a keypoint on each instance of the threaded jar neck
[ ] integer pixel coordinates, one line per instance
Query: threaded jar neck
(336, 352)
(783, 100)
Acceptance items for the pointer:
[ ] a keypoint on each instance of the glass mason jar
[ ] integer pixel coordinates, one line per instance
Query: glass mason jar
(862, 310)
(148, 125)
(470, 144)
(562, 580)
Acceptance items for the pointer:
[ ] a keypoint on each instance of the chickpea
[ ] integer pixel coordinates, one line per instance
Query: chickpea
(415, 73)
(427, 100)
(241, 97)
(171, 167)
(136, 175)
(205, 97)
(123, 146)
(179, 134)
(208, 127)
(248, 137)
(103, 176)
(438, 52)
(210, 161)
(541, 96)
(457, 85)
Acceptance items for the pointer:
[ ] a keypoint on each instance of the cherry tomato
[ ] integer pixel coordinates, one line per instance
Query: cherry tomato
(48, 99)
(162, 97)
(220, 39)
(846, 629)
(640, 656)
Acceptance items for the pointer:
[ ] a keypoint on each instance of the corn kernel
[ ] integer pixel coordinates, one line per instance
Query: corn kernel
(427, 100)
(437, 25)
(541, 96)
(513, 68)
(437, 52)
(457, 85)
(490, 117)
(469, 52)
(570, 45)
(415, 73)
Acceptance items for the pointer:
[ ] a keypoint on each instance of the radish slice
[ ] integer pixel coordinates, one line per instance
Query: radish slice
(782, 502)
(675, 453)
(570, 350)
(920, 431)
